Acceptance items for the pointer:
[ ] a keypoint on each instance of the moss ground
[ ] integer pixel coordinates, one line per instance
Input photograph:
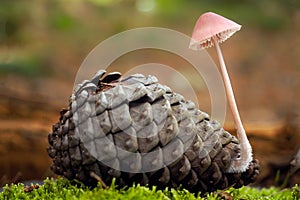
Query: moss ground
(63, 189)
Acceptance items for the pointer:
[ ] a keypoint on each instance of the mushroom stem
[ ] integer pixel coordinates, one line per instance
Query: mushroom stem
(241, 163)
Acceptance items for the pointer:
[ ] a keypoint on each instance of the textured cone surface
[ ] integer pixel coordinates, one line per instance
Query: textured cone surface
(139, 131)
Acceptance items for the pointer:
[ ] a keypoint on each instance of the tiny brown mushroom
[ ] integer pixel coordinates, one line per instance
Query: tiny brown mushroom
(30, 188)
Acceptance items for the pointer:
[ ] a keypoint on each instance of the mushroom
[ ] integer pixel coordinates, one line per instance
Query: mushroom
(210, 30)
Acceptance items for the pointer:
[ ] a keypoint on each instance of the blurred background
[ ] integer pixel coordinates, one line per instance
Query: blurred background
(43, 43)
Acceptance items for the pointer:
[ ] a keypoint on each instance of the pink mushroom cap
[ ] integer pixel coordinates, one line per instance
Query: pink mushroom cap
(211, 26)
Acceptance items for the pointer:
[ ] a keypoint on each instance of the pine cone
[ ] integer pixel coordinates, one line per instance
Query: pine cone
(139, 131)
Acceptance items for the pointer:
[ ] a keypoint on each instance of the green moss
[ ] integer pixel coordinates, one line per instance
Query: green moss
(265, 193)
(63, 189)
